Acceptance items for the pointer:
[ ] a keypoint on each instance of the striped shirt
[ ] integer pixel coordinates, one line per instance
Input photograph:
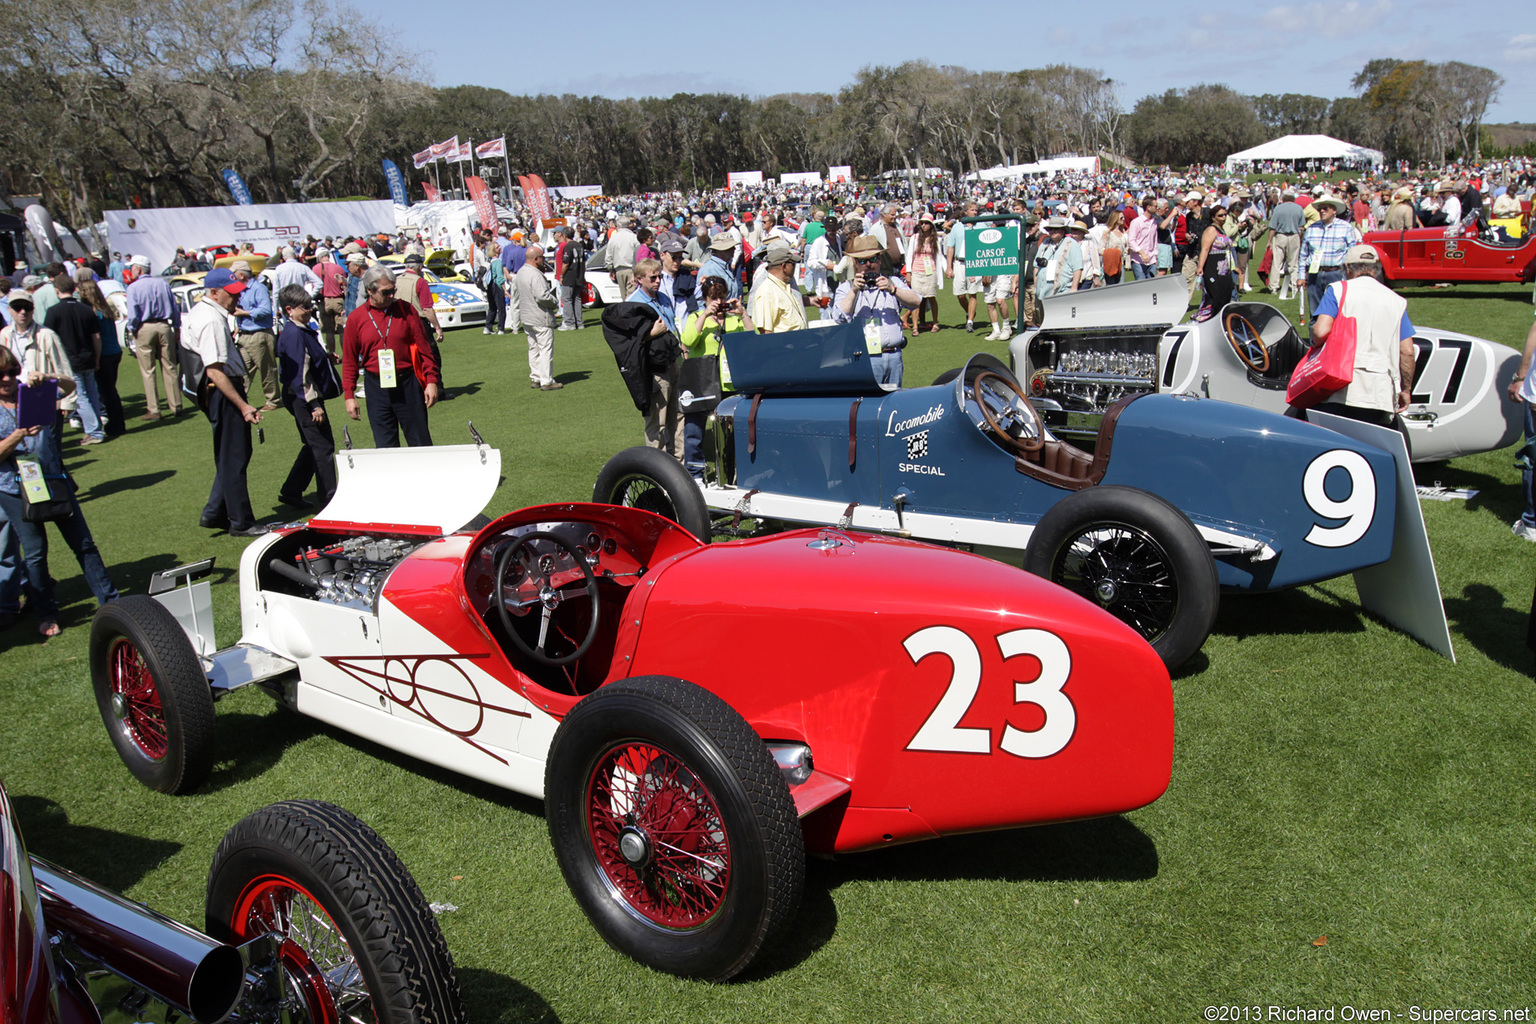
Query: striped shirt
(1333, 240)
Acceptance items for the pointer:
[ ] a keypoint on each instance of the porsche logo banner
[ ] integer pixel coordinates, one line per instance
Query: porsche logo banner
(489, 150)
(484, 205)
(536, 196)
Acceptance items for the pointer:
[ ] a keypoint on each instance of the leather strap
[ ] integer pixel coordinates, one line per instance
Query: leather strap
(845, 520)
(757, 400)
(741, 507)
(853, 431)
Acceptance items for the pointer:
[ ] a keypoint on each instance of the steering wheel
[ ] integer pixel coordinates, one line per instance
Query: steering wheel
(1007, 412)
(540, 569)
(1246, 342)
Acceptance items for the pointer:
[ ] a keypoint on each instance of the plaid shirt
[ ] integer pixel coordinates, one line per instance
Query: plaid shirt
(1333, 240)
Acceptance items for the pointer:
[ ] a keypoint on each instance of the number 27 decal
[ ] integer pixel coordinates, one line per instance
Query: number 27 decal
(943, 731)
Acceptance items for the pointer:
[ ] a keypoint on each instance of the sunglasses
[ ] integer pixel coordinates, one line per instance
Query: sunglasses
(9, 374)
(866, 259)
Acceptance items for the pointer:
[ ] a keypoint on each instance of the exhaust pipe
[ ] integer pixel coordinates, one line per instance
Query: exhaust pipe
(176, 964)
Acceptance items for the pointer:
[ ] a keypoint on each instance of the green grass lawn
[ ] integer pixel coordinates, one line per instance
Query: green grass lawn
(1332, 777)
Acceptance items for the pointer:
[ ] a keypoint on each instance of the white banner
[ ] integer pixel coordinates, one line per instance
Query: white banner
(157, 233)
(576, 191)
(841, 173)
(734, 178)
(800, 178)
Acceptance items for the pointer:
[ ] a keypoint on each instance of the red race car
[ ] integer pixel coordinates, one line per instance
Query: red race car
(1427, 254)
(696, 717)
(311, 919)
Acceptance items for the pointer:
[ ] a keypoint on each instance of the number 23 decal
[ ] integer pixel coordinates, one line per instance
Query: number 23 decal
(943, 731)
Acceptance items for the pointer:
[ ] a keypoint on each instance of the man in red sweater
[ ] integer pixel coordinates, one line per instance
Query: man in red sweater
(384, 340)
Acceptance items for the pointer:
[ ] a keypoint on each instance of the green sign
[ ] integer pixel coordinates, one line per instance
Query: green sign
(991, 250)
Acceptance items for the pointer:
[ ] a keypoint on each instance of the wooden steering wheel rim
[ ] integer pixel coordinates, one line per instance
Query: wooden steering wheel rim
(1241, 349)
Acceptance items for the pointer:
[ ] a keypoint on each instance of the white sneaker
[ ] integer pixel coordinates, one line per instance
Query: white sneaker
(1524, 530)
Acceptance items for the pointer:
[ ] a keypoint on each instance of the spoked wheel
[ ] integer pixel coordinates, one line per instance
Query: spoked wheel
(652, 480)
(1137, 557)
(673, 827)
(152, 694)
(355, 938)
(1246, 342)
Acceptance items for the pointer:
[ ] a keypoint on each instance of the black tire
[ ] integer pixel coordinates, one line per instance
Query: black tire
(650, 479)
(1138, 557)
(948, 376)
(666, 747)
(305, 854)
(152, 694)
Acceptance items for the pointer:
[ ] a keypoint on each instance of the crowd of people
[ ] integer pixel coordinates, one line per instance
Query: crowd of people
(332, 319)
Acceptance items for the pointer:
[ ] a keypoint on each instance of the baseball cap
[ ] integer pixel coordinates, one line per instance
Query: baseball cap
(722, 243)
(1362, 254)
(672, 245)
(139, 261)
(778, 255)
(20, 299)
(218, 277)
(415, 258)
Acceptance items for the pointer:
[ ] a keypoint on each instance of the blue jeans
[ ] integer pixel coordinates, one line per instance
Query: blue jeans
(1527, 472)
(1317, 284)
(887, 368)
(693, 443)
(88, 402)
(12, 576)
(34, 546)
(1142, 271)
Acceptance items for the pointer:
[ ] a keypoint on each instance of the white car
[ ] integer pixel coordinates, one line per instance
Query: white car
(1097, 346)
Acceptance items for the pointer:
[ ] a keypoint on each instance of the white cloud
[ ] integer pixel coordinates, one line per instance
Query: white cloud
(1521, 49)
(1330, 20)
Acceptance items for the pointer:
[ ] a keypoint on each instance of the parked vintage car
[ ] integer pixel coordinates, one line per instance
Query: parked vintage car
(457, 302)
(1472, 254)
(1098, 346)
(1172, 499)
(696, 717)
(311, 919)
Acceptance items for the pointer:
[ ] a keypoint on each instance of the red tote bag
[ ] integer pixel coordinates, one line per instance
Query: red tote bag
(1327, 367)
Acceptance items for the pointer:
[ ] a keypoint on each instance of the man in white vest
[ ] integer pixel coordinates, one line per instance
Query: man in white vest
(1384, 355)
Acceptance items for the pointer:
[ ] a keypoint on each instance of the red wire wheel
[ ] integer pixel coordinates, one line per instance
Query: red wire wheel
(674, 829)
(134, 691)
(658, 835)
(152, 693)
(350, 931)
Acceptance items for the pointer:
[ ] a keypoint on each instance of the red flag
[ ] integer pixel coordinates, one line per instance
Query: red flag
(484, 205)
(536, 196)
(432, 194)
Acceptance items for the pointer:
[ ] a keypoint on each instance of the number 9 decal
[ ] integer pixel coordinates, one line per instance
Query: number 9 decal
(1357, 509)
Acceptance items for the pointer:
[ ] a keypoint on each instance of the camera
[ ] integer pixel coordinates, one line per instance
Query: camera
(1041, 261)
(870, 277)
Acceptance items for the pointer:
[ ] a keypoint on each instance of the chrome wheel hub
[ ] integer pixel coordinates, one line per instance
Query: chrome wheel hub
(633, 846)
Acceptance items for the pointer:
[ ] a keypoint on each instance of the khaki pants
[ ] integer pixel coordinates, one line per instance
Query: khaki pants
(259, 350)
(541, 355)
(332, 317)
(1192, 278)
(663, 424)
(624, 277)
(156, 343)
(1030, 305)
(1286, 250)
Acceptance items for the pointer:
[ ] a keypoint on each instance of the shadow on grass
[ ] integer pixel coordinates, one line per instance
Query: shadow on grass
(574, 376)
(1470, 290)
(1299, 611)
(116, 860)
(489, 996)
(247, 745)
(472, 388)
(1493, 494)
(1109, 849)
(127, 483)
(1494, 628)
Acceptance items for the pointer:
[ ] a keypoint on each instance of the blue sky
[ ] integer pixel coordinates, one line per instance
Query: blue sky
(599, 47)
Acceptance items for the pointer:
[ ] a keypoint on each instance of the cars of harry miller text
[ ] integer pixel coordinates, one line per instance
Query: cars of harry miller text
(310, 919)
(1098, 346)
(1178, 498)
(696, 717)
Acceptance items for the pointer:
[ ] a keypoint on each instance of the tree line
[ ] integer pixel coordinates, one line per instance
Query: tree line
(125, 103)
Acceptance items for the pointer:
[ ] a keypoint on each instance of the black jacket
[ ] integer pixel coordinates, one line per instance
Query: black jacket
(627, 330)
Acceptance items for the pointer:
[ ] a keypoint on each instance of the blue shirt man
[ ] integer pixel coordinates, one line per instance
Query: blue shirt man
(879, 303)
(257, 301)
(513, 255)
(719, 265)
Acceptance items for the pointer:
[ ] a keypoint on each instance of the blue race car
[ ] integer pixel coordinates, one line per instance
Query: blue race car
(1174, 500)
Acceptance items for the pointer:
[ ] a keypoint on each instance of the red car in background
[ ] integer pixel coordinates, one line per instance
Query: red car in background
(1426, 254)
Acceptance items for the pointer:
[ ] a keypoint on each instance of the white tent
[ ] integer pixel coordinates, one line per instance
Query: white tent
(1293, 148)
(1049, 167)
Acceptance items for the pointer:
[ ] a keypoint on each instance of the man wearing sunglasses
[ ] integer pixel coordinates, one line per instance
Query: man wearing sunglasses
(878, 300)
